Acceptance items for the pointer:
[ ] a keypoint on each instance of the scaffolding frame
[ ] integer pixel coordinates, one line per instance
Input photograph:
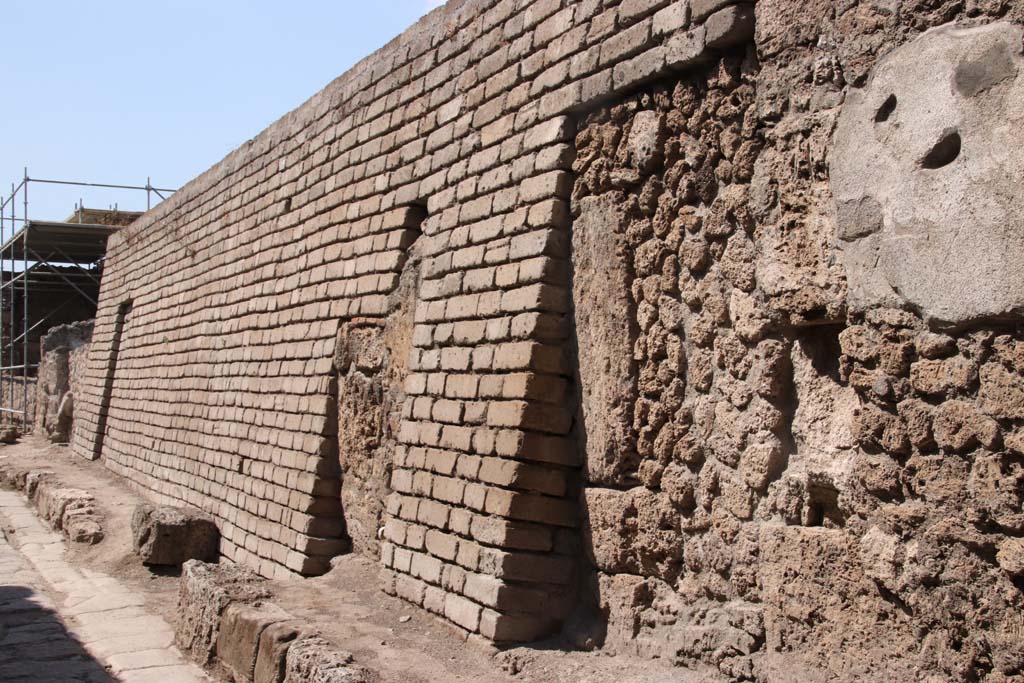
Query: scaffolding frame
(77, 245)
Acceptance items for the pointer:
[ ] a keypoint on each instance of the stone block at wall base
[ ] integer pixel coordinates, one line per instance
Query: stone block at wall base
(240, 638)
(171, 536)
(204, 593)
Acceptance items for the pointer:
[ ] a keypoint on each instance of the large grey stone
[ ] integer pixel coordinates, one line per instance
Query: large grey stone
(172, 536)
(928, 177)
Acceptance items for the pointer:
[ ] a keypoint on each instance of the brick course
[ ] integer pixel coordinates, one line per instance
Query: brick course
(220, 395)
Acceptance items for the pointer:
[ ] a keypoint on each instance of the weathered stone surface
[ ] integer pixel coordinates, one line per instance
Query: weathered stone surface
(733, 25)
(811, 578)
(925, 170)
(831, 463)
(1011, 556)
(274, 642)
(605, 336)
(240, 637)
(172, 536)
(83, 529)
(53, 502)
(633, 532)
(70, 510)
(314, 660)
(64, 354)
(646, 140)
(784, 478)
(204, 593)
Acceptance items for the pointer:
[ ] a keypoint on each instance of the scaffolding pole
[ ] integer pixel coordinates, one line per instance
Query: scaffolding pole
(15, 287)
(24, 305)
(3, 240)
(9, 396)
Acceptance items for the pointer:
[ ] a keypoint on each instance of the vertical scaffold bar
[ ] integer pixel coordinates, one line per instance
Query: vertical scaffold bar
(3, 226)
(13, 287)
(24, 306)
(10, 339)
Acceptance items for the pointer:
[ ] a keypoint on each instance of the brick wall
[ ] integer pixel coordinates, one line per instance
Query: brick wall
(221, 386)
(541, 304)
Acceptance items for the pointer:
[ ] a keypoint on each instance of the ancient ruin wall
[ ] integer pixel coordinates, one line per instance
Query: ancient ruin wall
(64, 352)
(801, 379)
(219, 350)
(567, 310)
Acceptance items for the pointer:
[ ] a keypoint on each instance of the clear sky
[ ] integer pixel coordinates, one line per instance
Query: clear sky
(114, 91)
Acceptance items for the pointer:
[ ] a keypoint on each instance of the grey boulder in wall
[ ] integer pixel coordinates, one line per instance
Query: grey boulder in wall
(927, 172)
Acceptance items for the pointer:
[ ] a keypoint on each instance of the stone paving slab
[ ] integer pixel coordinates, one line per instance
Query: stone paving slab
(61, 623)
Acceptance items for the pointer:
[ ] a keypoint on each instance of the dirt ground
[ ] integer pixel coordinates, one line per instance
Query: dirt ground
(115, 501)
(398, 641)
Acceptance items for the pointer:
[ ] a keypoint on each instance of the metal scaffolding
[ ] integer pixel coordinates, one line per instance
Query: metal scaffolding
(45, 259)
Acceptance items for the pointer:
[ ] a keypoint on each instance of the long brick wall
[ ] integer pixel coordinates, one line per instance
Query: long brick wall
(211, 377)
(592, 314)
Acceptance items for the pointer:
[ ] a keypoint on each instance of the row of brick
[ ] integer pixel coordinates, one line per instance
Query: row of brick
(250, 269)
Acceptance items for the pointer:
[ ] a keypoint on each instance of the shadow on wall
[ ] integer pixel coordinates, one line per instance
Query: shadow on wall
(36, 646)
(123, 311)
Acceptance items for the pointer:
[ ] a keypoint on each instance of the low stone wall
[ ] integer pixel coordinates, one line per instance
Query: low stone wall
(227, 624)
(71, 511)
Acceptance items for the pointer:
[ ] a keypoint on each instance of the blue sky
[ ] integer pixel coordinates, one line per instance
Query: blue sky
(114, 91)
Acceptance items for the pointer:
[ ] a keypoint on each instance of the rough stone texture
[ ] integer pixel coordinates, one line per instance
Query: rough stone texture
(64, 351)
(927, 148)
(71, 511)
(240, 638)
(710, 389)
(813, 478)
(275, 640)
(640, 385)
(227, 623)
(204, 594)
(314, 660)
(605, 335)
(371, 360)
(172, 536)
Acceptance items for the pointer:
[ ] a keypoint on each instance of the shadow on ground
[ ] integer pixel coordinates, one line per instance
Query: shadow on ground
(35, 647)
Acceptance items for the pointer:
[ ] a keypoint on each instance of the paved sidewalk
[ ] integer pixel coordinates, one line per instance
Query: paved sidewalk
(59, 623)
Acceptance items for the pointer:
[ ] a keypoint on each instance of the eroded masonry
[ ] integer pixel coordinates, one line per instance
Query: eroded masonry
(685, 328)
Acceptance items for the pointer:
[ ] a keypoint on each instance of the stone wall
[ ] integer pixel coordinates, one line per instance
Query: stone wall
(64, 352)
(566, 309)
(800, 428)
